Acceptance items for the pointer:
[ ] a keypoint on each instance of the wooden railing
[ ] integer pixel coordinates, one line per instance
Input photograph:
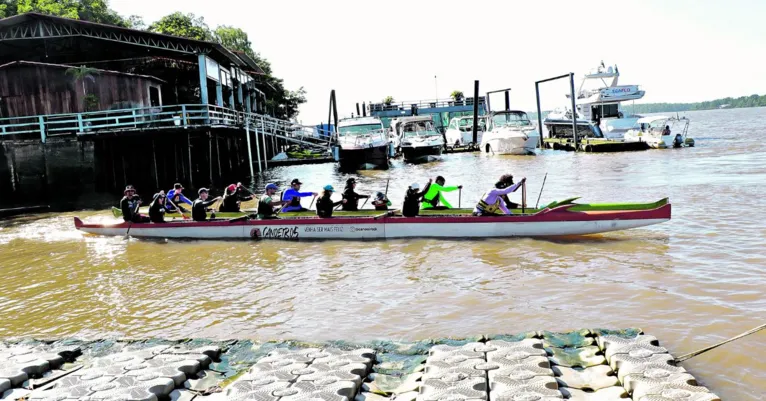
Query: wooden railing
(158, 118)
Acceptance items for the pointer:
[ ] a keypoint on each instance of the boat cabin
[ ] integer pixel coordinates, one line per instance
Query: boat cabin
(509, 118)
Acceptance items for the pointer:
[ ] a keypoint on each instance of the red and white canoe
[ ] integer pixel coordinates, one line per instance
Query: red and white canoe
(548, 222)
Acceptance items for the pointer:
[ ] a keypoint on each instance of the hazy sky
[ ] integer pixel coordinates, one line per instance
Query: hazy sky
(677, 50)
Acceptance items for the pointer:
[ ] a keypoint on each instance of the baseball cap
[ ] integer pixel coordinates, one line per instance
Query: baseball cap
(296, 182)
(129, 188)
(350, 180)
(178, 186)
(232, 188)
(272, 186)
(201, 190)
(329, 188)
(415, 185)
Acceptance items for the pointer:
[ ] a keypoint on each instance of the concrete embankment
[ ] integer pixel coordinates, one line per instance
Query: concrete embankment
(581, 365)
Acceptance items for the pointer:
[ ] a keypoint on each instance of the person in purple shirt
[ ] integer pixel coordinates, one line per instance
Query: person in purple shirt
(294, 195)
(176, 197)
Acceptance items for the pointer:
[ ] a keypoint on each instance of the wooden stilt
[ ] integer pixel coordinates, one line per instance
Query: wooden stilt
(188, 147)
(154, 159)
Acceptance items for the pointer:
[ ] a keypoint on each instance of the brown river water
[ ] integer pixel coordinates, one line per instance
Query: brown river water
(693, 281)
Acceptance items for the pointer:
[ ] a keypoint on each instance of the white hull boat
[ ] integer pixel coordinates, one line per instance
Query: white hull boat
(661, 132)
(510, 133)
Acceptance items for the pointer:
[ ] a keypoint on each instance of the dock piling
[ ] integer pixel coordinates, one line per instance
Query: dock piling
(249, 150)
(476, 111)
(574, 109)
(539, 113)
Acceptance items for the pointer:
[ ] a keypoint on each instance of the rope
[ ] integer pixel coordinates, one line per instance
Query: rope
(704, 350)
(207, 391)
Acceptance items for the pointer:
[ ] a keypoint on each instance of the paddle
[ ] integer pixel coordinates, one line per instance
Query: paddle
(387, 213)
(523, 197)
(459, 197)
(541, 190)
(365, 202)
(312, 201)
(177, 208)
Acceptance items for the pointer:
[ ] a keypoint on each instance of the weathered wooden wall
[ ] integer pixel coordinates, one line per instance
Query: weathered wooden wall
(28, 89)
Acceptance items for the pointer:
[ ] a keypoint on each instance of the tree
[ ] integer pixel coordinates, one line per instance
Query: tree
(388, 100)
(60, 8)
(86, 10)
(83, 73)
(184, 25)
(457, 95)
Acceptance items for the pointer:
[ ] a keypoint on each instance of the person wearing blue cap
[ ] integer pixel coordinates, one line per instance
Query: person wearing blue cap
(266, 204)
(325, 205)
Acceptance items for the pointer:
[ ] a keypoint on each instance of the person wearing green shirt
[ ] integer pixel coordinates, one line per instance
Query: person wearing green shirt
(266, 204)
(433, 198)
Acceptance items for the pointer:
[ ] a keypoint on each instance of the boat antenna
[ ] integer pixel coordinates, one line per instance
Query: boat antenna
(541, 190)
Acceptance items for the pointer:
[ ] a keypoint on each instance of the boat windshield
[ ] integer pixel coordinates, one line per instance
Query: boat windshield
(466, 124)
(418, 128)
(511, 119)
(362, 129)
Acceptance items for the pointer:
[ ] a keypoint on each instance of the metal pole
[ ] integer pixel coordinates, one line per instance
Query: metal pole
(507, 100)
(539, 113)
(258, 149)
(476, 111)
(249, 149)
(357, 110)
(574, 109)
(265, 156)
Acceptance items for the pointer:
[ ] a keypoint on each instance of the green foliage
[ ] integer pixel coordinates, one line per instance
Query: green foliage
(388, 100)
(457, 95)
(728, 102)
(184, 25)
(234, 39)
(86, 10)
(91, 102)
(82, 73)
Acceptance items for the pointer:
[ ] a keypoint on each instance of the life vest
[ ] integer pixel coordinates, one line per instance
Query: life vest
(487, 208)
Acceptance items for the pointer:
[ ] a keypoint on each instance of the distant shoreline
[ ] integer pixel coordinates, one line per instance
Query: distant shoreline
(723, 103)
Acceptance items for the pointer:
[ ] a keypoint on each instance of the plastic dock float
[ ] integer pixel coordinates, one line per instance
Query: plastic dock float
(585, 365)
(593, 145)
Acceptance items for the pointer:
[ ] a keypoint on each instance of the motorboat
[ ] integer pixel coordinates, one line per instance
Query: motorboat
(556, 219)
(661, 132)
(460, 131)
(597, 102)
(510, 132)
(362, 143)
(418, 139)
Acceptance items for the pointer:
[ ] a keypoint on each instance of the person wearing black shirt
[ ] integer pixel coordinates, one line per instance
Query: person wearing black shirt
(325, 205)
(351, 197)
(129, 205)
(201, 206)
(412, 199)
(232, 197)
(157, 208)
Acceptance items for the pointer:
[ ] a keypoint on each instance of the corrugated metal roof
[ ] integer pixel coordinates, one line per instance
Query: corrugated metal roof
(100, 71)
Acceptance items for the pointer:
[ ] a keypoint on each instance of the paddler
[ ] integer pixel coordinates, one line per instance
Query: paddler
(412, 199)
(351, 197)
(434, 195)
(266, 204)
(496, 202)
(201, 206)
(294, 195)
(157, 208)
(176, 197)
(381, 202)
(325, 205)
(232, 197)
(129, 205)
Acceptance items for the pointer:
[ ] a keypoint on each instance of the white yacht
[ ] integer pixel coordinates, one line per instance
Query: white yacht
(510, 133)
(417, 137)
(661, 132)
(597, 102)
(362, 143)
(460, 131)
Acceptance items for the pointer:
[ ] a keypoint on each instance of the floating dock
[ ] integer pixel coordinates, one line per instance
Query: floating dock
(593, 145)
(585, 365)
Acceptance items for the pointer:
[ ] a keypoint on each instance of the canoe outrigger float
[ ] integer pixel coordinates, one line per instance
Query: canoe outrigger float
(557, 219)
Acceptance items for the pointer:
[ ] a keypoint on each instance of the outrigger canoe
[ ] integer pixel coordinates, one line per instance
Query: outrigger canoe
(576, 207)
(552, 221)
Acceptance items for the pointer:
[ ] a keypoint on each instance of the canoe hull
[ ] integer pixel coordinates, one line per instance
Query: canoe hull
(549, 222)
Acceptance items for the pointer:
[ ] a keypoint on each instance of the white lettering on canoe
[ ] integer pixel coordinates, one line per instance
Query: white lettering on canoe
(357, 229)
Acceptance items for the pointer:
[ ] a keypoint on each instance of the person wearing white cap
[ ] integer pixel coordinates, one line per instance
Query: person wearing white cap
(412, 199)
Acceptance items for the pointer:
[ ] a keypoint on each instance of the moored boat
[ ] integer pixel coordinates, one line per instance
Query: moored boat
(510, 133)
(661, 132)
(418, 139)
(558, 220)
(362, 143)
